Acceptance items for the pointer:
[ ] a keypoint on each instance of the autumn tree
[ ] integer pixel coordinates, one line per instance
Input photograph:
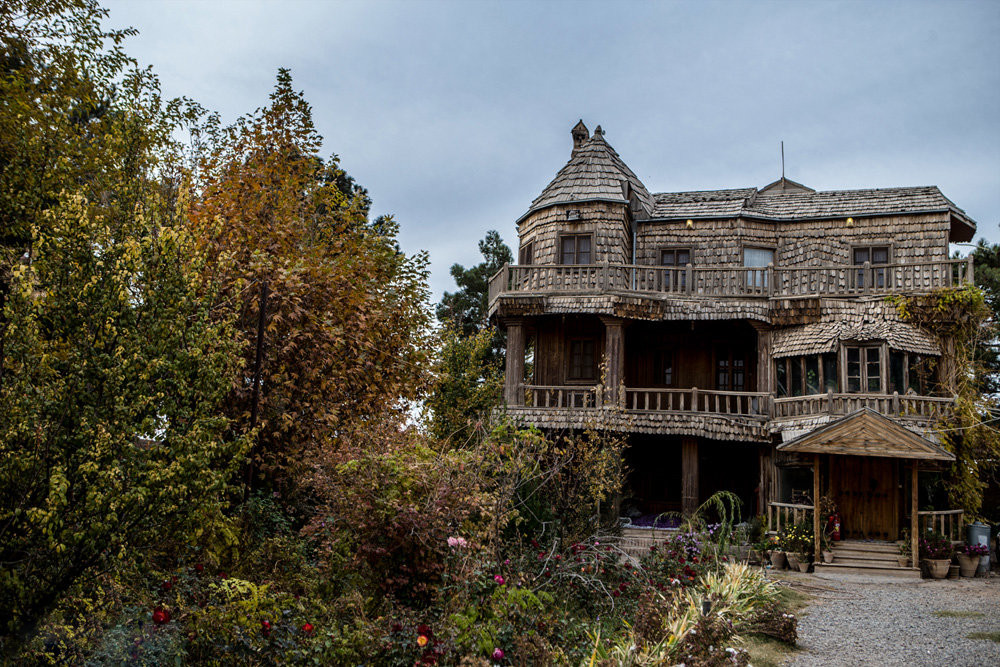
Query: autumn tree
(331, 315)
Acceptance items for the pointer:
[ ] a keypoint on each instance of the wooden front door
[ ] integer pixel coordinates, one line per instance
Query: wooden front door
(866, 492)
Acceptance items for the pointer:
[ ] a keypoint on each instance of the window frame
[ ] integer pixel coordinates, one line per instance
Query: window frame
(570, 367)
(864, 379)
(576, 236)
(526, 250)
(759, 279)
(880, 275)
(730, 357)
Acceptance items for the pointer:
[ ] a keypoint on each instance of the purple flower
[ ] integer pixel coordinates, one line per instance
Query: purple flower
(499, 579)
(498, 654)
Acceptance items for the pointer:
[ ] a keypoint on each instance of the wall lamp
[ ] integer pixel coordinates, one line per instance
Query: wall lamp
(690, 224)
(850, 222)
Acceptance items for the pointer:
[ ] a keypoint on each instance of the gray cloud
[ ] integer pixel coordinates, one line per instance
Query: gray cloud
(456, 114)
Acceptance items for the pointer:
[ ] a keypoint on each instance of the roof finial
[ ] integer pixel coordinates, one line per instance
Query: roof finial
(598, 132)
(580, 134)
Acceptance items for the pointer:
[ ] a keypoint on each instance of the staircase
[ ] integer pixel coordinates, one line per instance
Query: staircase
(867, 558)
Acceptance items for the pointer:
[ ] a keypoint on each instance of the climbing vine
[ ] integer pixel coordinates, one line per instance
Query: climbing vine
(960, 318)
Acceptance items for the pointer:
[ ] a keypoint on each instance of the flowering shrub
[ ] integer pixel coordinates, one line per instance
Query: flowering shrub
(975, 550)
(935, 546)
(798, 539)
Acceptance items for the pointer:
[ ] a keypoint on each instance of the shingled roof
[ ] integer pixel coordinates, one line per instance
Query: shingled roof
(702, 204)
(595, 172)
(854, 321)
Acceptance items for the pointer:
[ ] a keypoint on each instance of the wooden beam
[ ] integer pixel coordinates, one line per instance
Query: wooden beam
(514, 374)
(914, 518)
(689, 475)
(614, 356)
(817, 554)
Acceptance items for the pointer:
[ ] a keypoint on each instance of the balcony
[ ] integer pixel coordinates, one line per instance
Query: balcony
(662, 282)
(726, 415)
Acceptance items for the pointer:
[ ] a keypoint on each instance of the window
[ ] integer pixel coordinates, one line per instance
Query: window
(808, 375)
(582, 361)
(909, 372)
(664, 369)
(524, 255)
(730, 371)
(677, 258)
(757, 259)
(864, 370)
(874, 255)
(575, 249)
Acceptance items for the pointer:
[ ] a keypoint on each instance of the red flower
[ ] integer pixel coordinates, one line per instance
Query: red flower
(199, 568)
(265, 628)
(161, 616)
(222, 574)
(498, 654)
(307, 628)
(166, 585)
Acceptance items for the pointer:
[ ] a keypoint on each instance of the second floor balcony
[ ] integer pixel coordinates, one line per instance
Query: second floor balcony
(726, 415)
(692, 281)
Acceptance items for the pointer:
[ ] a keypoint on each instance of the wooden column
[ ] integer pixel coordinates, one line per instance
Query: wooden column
(766, 459)
(914, 518)
(514, 374)
(614, 357)
(689, 475)
(764, 363)
(816, 527)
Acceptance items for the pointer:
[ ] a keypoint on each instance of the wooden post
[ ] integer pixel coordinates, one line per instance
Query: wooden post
(514, 375)
(816, 555)
(914, 518)
(970, 277)
(689, 475)
(763, 491)
(614, 358)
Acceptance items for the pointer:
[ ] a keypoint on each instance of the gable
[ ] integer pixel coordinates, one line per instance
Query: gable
(867, 433)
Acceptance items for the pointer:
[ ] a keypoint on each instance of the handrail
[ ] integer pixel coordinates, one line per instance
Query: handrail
(711, 401)
(777, 515)
(946, 522)
(735, 281)
(895, 405)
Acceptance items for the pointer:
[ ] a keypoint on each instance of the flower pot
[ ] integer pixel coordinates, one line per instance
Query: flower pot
(903, 561)
(827, 557)
(938, 567)
(793, 560)
(967, 565)
(778, 560)
(803, 566)
(953, 572)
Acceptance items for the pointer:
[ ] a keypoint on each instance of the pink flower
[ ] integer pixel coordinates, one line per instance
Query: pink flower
(457, 542)
(498, 654)
(499, 579)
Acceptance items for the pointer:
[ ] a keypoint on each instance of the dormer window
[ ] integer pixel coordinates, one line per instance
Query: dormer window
(575, 249)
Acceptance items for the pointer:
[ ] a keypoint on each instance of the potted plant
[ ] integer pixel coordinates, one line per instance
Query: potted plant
(824, 545)
(968, 558)
(937, 550)
(777, 553)
(904, 550)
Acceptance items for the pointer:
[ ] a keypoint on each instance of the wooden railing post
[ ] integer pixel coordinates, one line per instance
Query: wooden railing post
(970, 274)
(867, 277)
(769, 279)
(694, 399)
(689, 278)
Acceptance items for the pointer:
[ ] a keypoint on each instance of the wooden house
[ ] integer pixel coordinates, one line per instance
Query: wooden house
(740, 338)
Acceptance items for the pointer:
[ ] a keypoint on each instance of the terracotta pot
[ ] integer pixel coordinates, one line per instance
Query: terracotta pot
(827, 557)
(938, 567)
(903, 561)
(793, 560)
(967, 565)
(778, 560)
(803, 566)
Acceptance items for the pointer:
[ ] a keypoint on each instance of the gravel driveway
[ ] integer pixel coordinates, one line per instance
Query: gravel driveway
(860, 620)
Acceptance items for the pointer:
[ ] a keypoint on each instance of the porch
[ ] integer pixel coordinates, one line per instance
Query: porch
(869, 465)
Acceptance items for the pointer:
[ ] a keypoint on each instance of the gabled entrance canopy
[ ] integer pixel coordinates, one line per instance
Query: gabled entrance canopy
(867, 433)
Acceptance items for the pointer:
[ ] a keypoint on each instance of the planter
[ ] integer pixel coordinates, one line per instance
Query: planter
(903, 561)
(938, 567)
(953, 572)
(778, 560)
(793, 560)
(803, 566)
(968, 564)
(827, 557)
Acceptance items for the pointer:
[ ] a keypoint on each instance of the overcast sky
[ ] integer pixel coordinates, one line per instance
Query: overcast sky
(455, 115)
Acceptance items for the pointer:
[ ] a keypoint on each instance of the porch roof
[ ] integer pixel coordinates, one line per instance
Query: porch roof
(867, 433)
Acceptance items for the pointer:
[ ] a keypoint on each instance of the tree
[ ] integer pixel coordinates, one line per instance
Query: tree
(986, 259)
(468, 306)
(331, 316)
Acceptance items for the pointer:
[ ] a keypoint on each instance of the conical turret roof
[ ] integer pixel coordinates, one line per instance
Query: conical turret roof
(595, 172)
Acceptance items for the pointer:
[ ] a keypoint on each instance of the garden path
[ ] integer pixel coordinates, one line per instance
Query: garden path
(860, 620)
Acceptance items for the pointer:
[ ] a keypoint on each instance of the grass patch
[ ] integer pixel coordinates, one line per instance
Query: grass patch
(958, 614)
(992, 636)
(792, 601)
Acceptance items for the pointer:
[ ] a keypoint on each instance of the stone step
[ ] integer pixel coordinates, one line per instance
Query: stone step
(836, 568)
(867, 562)
(850, 554)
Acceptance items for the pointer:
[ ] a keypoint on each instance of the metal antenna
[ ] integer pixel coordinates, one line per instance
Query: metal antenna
(782, 160)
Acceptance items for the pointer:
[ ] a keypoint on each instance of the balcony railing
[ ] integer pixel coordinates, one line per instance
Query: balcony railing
(751, 404)
(930, 408)
(747, 282)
